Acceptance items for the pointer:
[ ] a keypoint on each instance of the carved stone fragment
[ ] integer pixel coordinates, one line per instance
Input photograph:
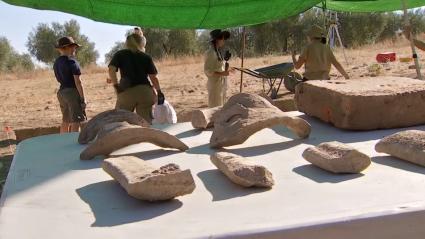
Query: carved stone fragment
(89, 132)
(245, 114)
(143, 181)
(337, 157)
(408, 145)
(123, 137)
(204, 118)
(240, 172)
(112, 127)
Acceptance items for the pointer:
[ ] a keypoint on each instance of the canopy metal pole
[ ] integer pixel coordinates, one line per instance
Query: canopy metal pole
(242, 56)
(412, 44)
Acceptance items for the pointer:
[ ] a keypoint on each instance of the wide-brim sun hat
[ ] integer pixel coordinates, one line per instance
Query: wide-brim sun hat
(315, 32)
(219, 34)
(66, 41)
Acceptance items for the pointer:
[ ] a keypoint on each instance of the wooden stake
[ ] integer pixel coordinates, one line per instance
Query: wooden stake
(242, 56)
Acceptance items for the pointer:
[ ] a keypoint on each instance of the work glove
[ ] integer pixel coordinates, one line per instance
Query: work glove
(161, 97)
(83, 104)
(83, 108)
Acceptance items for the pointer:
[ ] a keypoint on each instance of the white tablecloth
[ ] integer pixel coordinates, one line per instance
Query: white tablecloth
(50, 193)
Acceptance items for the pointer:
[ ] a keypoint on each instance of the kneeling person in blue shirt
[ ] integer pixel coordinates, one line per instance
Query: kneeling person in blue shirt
(70, 94)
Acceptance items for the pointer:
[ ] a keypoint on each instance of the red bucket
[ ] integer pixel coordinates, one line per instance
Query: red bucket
(386, 57)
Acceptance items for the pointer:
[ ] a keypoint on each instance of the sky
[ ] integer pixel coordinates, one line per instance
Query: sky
(17, 22)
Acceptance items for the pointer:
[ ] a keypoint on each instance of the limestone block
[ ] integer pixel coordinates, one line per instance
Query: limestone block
(364, 104)
(23, 134)
(122, 137)
(204, 118)
(245, 114)
(90, 130)
(143, 181)
(239, 171)
(408, 145)
(337, 157)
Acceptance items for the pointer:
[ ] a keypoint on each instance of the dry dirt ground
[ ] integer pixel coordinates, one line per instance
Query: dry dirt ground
(29, 100)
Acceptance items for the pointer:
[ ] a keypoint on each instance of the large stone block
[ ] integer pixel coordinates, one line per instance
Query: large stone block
(364, 104)
(143, 181)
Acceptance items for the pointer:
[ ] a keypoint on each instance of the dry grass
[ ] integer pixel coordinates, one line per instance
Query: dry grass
(29, 99)
(36, 74)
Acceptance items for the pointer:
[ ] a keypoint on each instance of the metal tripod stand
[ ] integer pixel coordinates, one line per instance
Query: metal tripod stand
(333, 34)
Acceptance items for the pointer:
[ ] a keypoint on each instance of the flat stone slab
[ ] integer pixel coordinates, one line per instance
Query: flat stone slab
(364, 104)
(51, 194)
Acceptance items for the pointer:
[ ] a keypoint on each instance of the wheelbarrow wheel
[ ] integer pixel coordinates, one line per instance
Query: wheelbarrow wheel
(291, 80)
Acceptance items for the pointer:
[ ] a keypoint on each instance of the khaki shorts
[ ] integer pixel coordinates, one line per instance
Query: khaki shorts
(70, 104)
(139, 98)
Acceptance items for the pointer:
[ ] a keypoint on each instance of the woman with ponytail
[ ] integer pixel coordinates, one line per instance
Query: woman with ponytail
(138, 76)
(214, 68)
(317, 57)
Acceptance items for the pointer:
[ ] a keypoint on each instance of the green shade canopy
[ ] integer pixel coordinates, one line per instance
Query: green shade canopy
(198, 14)
(202, 14)
(371, 5)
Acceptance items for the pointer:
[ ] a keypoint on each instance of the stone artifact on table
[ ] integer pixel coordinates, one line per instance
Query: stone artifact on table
(239, 171)
(245, 114)
(365, 103)
(124, 136)
(204, 118)
(144, 181)
(91, 129)
(337, 157)
(408, 145)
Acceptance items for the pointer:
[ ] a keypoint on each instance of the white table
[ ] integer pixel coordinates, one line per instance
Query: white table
(50, 193)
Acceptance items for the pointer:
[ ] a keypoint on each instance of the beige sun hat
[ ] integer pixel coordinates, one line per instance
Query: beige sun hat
(315, 32)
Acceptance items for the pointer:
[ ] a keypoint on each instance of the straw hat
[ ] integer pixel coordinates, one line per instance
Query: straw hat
(219, 34)
(66, 41)
(315, 32)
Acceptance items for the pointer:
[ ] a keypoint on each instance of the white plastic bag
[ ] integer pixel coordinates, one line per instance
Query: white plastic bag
(164, 114)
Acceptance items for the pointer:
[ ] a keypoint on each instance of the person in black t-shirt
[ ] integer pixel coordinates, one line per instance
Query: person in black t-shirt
(70, 93)
(138, 74)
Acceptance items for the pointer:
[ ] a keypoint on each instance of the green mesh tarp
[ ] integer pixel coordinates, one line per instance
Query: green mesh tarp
(198, 14)
(202, 14)
(371, 5)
